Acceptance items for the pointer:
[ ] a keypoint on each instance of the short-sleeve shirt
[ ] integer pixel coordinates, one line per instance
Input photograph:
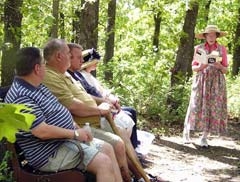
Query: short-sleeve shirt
(46, 108)
(66, 88)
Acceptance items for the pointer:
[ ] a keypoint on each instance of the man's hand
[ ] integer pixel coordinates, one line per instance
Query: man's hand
(84, 135)
(104, 108)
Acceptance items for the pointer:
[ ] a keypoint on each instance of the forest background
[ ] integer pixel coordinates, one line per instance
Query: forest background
(146, 46)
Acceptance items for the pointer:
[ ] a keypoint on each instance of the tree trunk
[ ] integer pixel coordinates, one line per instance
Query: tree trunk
(87, 25)
(55, 12)
(62, 26)
(184, 55)
(12, 38)
(109, 44)
(207, 9)
(157, 23)
(186, 47)
(236, 49)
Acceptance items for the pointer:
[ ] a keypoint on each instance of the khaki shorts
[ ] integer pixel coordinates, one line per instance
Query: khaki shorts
(105, 136)
(68, 156)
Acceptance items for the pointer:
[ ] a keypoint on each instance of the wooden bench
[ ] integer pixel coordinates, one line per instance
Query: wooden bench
(24, 173)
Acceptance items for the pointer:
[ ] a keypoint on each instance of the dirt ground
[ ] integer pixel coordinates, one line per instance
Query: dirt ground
(174, 161)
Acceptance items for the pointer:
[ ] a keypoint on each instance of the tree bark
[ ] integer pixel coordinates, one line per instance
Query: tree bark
(207, 9)
(109, 44)
(186, 47)
(62, 26)
(236, 49)
(86, 27)
(55, 12)
(181, 71)
(157, 23)
(12, 39)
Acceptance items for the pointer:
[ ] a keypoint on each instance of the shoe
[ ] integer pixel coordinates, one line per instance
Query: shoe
(143, 160)
(204, 143)
(138, 142)
(186, 138)
(141, 180)
(151, 179)
(156, 178)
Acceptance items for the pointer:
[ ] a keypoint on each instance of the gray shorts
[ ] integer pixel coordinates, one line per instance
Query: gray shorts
(105, 136)
(68, 156)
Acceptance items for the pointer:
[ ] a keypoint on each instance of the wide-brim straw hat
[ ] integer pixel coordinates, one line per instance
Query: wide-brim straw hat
(209, 29)
(90, 57)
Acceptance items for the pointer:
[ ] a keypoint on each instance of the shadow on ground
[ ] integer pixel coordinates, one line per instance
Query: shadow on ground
(175, 161)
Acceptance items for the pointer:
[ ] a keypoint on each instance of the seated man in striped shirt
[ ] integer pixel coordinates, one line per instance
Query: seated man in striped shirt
(54, 142)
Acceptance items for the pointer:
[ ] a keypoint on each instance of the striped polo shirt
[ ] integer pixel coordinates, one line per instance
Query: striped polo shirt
(47, 109)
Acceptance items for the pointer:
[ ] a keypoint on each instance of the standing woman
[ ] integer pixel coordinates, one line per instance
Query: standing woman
(207, 110)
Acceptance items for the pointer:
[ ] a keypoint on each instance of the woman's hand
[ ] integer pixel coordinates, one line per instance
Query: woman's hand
(220, 67)
(217, 65)
(199, 67)
(117, 106)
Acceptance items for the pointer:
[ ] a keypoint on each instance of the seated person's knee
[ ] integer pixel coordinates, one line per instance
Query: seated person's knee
(119, 147)
(101, 162)
(107, 148)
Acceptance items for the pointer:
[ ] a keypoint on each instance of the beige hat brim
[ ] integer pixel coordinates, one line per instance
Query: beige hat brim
(89, 63)
(85, 52)
(201, 35)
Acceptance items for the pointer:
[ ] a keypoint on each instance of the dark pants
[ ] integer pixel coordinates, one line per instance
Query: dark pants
(133, 114)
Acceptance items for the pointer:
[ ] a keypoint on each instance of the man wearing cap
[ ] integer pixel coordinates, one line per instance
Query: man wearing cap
(207, 110)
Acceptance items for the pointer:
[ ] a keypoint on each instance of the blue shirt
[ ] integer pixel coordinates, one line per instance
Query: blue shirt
(89, 88)
(47, 109)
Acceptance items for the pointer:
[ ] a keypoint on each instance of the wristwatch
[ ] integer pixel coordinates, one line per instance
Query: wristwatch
(76, 134)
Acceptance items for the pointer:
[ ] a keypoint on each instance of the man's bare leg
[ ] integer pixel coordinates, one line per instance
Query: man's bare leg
(108, 150)
(102, 167)
(126, 139)
(120, 153)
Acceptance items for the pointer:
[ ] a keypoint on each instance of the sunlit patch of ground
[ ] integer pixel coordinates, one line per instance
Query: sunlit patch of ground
(174, 161)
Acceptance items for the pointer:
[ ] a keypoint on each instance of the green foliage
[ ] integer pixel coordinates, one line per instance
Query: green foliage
(12, 119)
(141, 76)
(6, 174)
(233, 85)
(36, 23)
(143, 81)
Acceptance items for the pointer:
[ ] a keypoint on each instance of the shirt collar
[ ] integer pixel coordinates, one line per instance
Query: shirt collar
(211, 47)
(26, 84)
